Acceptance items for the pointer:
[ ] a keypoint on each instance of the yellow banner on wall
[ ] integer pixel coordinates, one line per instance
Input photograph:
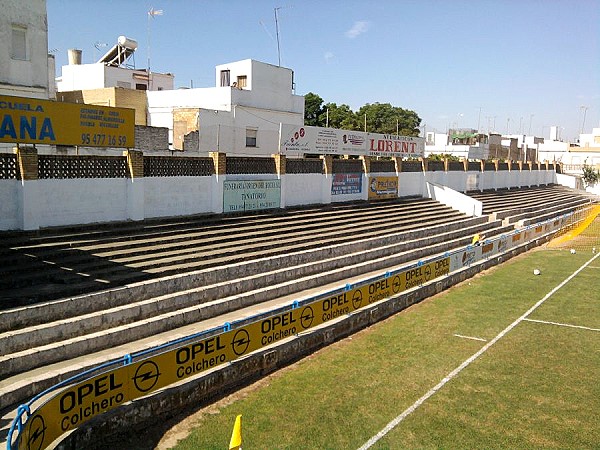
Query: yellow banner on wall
(76, 404)
(35, 121)
(383, 187)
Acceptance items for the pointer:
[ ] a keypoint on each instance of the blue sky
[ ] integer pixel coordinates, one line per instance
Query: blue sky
(515, 64)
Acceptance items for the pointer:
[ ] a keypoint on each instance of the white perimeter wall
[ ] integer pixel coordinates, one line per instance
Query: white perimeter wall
(44, 203)
(178, 196)
(76, 201)
(10, 216)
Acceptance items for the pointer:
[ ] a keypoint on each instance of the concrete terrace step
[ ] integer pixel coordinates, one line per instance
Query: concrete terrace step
(13, 385)
(126, 231)
(36, 314)
(504, 202)
(22, 341)
(224, 235)
(512, 214)
(110, 269)
(551, 210)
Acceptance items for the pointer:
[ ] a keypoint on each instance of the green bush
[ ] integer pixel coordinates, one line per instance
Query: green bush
(590, 176)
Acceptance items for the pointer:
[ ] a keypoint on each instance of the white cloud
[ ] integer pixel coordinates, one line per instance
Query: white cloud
(328, 56)
(359, 27)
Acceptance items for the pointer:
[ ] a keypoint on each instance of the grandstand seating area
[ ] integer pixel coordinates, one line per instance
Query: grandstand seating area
(73, 298)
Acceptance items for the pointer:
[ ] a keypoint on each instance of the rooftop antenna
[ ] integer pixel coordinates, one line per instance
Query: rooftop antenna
(266, 31)
(98, 45)
(151, 14)
(277, 33)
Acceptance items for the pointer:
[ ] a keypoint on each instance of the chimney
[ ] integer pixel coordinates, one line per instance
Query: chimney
(74, 56)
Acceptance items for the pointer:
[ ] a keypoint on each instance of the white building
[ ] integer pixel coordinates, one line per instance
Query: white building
(110, 71)
(25, 66)
(591, 140)
(241, 115)
(464, 144)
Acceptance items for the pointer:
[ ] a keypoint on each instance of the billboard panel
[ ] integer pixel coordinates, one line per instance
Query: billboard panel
(34, 121)
(332, 141)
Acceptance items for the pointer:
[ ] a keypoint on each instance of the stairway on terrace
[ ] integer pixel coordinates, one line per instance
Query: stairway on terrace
(524, 206)
(199, 273)
(47, 342)
(58, 263)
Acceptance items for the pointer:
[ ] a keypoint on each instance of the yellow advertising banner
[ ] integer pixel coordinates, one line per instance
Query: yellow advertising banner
(35, 121)
(383, 187)
(74, 405)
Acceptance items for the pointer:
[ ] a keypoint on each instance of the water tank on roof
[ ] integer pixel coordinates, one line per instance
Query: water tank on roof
(74, 55)
(127, 42)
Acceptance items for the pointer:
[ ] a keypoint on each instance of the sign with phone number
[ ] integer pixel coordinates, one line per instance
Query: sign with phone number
(73, 406)
(35, 121)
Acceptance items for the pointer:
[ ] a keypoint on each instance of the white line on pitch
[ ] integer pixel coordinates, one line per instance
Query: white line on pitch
(390, 426)
(563, 324)
(471, 337)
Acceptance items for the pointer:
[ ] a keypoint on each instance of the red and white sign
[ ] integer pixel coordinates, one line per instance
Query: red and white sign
(332, 141)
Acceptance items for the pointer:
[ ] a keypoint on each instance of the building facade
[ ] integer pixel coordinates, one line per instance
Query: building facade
(24, 60)
(241, 115)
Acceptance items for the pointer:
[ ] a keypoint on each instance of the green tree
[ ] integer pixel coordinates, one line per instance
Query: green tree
(336, 116)
(387, 119)
(380, 117)
(313, 108)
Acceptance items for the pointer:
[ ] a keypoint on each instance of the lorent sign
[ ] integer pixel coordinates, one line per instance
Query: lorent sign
(332, 141)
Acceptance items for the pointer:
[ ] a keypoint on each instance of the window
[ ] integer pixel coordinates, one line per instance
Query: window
(19, 42)
(242, 81)
(251, 134)
(124, 84)
(225, 78)
(141, 86)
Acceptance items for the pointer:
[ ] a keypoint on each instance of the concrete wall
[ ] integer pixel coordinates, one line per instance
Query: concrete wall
(9, 205)
(54, 202)
(75, 201)
(304, 190)
(454, 199)
(151, 139)
(176, 196)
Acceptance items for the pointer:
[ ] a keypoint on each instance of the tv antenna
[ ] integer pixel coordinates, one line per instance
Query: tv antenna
(98, 45)
(276, 10)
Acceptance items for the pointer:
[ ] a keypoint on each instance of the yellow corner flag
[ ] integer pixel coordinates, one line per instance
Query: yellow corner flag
(236, 436)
